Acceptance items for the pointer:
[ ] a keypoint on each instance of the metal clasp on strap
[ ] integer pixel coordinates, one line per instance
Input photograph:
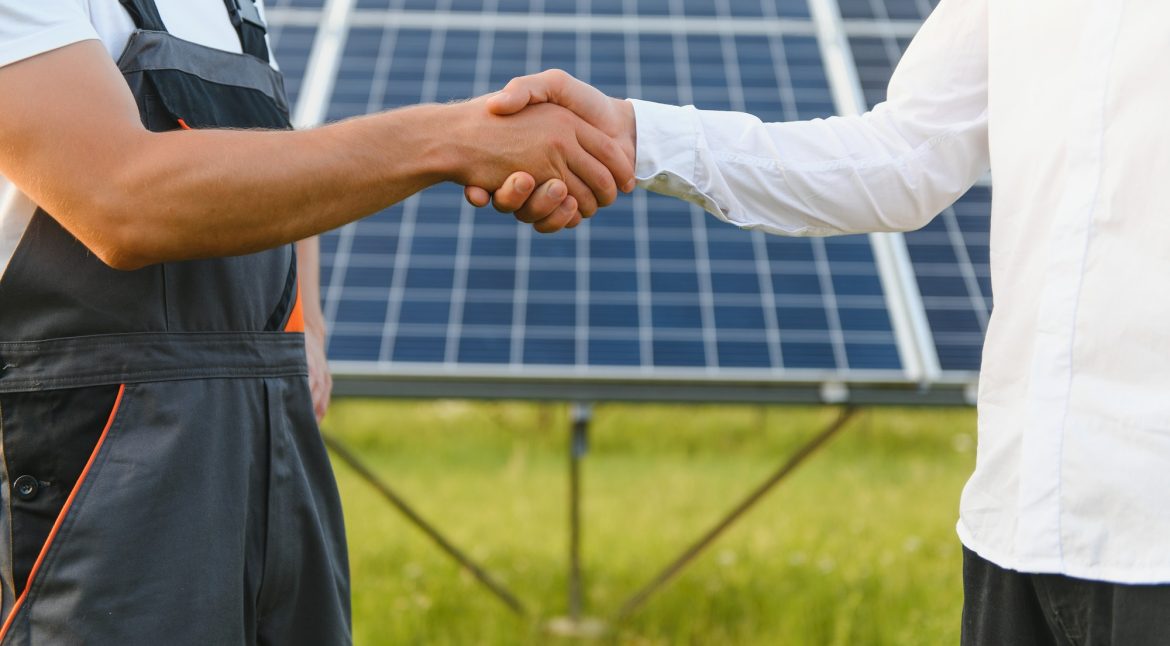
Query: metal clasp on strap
(246, 11)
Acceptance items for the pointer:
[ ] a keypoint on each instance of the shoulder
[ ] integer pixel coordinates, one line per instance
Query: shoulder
(31, 27)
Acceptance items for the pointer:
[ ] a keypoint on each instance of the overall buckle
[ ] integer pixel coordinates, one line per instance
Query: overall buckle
(246, 11)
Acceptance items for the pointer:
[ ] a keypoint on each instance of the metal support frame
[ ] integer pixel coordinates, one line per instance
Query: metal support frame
(576, 624)
(676, 566)
(480, 574)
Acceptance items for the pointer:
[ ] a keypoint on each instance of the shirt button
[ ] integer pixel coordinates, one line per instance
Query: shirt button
(663, 177)
(26, 487)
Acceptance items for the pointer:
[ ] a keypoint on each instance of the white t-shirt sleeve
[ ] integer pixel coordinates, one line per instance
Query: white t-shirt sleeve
(31, 27)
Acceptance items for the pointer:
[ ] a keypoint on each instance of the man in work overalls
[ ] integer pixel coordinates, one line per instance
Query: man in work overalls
(162, 478)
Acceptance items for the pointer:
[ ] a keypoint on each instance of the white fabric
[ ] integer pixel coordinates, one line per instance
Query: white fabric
(31, 27)
(1066, 100)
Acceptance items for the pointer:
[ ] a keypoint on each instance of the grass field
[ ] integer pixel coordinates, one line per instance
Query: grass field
(857, 547)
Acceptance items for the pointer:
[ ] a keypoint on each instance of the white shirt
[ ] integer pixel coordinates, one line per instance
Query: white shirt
(1067, 101)
(31, 27)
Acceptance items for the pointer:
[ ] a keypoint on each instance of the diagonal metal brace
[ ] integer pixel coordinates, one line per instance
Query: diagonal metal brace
(670, 571)
(441, 541)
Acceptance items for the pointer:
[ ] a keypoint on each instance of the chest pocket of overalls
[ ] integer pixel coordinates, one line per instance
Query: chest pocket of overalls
(184, 85)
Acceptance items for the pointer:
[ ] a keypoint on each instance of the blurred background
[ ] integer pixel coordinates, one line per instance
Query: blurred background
(710, 354)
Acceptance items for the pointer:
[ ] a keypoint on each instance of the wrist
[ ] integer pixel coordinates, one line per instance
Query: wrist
(627, 132)
(314, 319)
(427, 134)
(448, 145)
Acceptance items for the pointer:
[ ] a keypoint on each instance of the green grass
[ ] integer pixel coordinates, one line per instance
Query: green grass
(857, 547)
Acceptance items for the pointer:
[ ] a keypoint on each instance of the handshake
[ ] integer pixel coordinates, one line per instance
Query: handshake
(547, 148)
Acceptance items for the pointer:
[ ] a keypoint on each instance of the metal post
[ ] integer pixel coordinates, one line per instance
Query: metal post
(397, 501)
(670, 571)
(575, 624)
(578, 446)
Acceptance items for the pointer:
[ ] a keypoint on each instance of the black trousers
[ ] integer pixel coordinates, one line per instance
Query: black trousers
(1007, 608)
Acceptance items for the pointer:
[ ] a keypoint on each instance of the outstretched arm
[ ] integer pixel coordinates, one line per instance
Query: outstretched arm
(71, 138)
(891, 169)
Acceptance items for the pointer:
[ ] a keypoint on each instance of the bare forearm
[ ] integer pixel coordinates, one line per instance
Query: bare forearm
(77, 147)
(193, 194)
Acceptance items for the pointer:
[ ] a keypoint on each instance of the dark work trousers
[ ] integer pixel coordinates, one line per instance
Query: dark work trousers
(1008, 608)
(162, 479)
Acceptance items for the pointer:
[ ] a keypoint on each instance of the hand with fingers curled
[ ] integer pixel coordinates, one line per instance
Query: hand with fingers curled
(557, 203)
(578, 167)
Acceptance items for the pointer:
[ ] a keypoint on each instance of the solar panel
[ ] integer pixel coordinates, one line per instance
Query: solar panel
(652, 290)
(950, 255)
(648, 8)
(291, 45)
(651, 283)
(886, 9)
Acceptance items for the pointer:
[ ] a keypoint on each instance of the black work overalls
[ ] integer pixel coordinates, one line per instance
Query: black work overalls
(163, 480)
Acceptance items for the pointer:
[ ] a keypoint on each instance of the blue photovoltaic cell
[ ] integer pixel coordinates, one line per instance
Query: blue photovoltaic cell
(950, 255)
(651, 281)
(951, 259)
(290, 47)
(886, 9)
(875, 58)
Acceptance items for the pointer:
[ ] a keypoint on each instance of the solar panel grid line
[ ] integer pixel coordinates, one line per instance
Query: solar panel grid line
(581, 328)
(788, 101)
(523, 258)
(645, 304)
(843, 301)
(759, 249)
(405, 370)
(950, 262)
(829, 299)
(879, 9)
(702, 266)
(398, 280)
(301, 5)
(288, 16)
(706, 297)
(429, 92)
(641, 225)
(466, 219)
(572, 23)
(880, 28)
(730, 60)
(966, 267)
(290, 46)
(341, 259)
(520, 299)
(321, 70)
(768, 300)
(916, 346)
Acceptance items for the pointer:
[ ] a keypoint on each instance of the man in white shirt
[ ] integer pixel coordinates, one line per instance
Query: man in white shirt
(163, 480)
(1066, 520)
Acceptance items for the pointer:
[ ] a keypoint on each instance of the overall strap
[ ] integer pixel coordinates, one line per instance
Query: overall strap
(246, 19)
(144, 13)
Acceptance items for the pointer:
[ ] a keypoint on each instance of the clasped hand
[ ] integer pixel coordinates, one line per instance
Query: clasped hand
(574, 145)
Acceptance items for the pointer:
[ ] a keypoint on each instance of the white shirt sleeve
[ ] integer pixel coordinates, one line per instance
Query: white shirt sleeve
(31, 27)
(891, 169)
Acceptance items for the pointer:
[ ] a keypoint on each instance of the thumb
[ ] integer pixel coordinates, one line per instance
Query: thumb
(549, 86)
(509, 100)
